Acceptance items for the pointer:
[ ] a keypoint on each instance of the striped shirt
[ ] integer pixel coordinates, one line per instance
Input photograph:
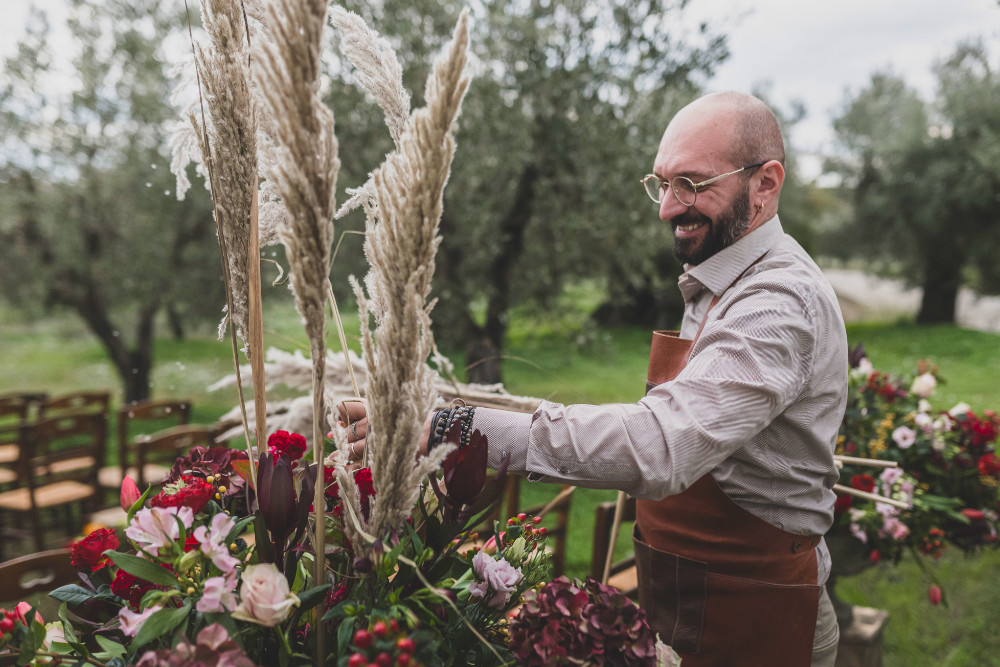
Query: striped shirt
(758, 405)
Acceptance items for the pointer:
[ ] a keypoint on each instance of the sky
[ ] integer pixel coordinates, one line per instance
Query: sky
(814, 51)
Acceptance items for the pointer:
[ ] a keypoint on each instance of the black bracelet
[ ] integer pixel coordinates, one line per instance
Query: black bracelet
(438, 423)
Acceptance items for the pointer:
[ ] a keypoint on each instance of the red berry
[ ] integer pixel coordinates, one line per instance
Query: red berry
(357, 660)
(6, 625)
(522, 516)
(403, 659)
(537, 519)
(406, 645)
(394, 625)
(379, 629)
(542, 531)
(362, 639)
(934, 594)
(383, 660)
(510, 521)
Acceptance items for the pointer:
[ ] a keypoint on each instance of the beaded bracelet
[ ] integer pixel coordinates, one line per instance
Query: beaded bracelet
(442, 422)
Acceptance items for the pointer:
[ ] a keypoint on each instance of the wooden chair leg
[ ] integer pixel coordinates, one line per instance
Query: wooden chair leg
(37, 530)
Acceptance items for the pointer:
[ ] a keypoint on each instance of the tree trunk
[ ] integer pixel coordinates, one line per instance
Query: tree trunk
(176, 323)
(940, 285)
(485, 350)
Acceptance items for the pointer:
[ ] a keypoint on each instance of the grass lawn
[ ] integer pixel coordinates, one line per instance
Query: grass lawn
(563, 359)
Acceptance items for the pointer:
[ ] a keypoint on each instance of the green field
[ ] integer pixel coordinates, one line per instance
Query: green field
(562, 358)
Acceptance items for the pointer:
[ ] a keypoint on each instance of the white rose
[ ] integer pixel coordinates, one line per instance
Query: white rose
(960, 409)
(264, 597)
(924, 405)
(923, 385)
(924, 422)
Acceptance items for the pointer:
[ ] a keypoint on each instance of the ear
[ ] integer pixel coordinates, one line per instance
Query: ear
(769, 179)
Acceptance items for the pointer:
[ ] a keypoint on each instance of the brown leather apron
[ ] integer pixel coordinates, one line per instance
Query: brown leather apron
(721, 586)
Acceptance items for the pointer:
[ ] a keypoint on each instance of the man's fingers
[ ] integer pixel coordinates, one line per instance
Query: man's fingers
(357, 431)
(351, 410)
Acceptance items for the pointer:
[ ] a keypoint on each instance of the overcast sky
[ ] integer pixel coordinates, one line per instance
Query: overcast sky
(810, 50)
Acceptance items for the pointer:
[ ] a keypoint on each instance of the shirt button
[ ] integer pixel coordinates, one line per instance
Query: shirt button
(796, 546)
(564, 470)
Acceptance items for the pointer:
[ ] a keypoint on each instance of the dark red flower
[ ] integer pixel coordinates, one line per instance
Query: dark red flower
(366, 489)
(863, 483)
(131, 588)
(283, 443)
(216, 461)
(193, 492)
(190, 543)
(842, 504)
(87, 555)
(465, 469)
(989, 465)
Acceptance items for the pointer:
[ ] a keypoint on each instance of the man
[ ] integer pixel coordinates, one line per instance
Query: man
(731, 450)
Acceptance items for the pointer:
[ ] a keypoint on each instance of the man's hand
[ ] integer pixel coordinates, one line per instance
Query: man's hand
(354, 415)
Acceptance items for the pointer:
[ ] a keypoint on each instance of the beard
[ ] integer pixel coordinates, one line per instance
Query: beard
(728, 226)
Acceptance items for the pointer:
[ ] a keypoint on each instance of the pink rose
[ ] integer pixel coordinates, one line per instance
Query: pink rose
(264, 597)
(904, 437)
(498, 576)
(896, 528)
(924, 385)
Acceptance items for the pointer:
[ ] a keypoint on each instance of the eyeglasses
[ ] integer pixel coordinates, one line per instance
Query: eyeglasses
(685, 190)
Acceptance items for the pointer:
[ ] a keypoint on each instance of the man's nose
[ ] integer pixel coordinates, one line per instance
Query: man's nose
(670, 207)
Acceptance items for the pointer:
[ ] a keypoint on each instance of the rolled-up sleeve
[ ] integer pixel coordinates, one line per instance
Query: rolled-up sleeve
(747, 366)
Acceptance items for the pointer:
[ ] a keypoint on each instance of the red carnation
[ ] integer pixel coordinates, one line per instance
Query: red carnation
(363, 480)
(131, 588)
(283, 443)
(842, 504)
(193, 492)
(863, 483)
(989, 465)
(87, 555)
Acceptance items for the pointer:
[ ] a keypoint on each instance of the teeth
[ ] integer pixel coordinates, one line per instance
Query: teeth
(689, 228)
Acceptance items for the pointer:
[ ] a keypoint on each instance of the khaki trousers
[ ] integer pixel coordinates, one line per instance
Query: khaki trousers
(827, 633)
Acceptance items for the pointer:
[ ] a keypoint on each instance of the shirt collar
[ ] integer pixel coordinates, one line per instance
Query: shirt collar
(722, 269)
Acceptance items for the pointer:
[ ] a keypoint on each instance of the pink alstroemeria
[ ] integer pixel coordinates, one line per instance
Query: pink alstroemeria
(213, 542)
(132, 621)
(130, 493)
(219, 594)
(156, 528)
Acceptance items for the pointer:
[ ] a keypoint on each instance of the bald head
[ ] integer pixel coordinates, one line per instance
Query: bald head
(754, 133)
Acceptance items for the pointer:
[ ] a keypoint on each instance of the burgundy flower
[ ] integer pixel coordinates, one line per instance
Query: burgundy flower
(842, 504)
(863, 483)
(465, 470)
(131, 588)
(566, 622)
(192, 492)
(989, 465)
(87, 555)
(283, 443)
(216, 461)
(366, 489)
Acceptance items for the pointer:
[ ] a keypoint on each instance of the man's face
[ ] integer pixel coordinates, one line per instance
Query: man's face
(698, 236)
(697, 145)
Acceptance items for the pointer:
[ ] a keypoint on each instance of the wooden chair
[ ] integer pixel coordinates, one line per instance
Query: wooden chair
(36, 573)
(15, 409)
(623, 573)
(158, 451)
(51, 452)
(153, 415)
(78, 402)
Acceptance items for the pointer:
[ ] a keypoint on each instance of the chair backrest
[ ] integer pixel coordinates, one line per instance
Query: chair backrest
(67, 447)
(154, 415)
(76, 402)
(20, 406)
(166, 446)
(604, 519)
(44, 571)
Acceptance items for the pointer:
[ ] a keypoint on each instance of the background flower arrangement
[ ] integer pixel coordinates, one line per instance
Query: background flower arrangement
(948, 470)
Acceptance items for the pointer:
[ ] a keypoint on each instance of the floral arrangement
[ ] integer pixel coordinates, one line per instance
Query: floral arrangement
(948, 471)
(199, 582)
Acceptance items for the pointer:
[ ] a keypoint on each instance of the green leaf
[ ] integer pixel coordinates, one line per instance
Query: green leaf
(239, 528)
(142, 568)
(418, 545)
(344, 634)
(160, 623)
(112, 648)
(67, 626)
(73, 594)
(137, 505)
(312, 597)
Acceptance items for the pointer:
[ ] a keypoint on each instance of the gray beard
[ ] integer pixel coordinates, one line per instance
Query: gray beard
(722, 231)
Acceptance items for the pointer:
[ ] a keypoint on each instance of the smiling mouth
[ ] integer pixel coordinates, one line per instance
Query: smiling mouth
(689, 227)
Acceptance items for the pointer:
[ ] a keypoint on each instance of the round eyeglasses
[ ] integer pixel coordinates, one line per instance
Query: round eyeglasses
(685, 190)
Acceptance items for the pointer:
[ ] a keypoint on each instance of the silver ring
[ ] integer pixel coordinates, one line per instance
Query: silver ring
(353, 432)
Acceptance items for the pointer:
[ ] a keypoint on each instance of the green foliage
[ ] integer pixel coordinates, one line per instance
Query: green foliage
(926, 179)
